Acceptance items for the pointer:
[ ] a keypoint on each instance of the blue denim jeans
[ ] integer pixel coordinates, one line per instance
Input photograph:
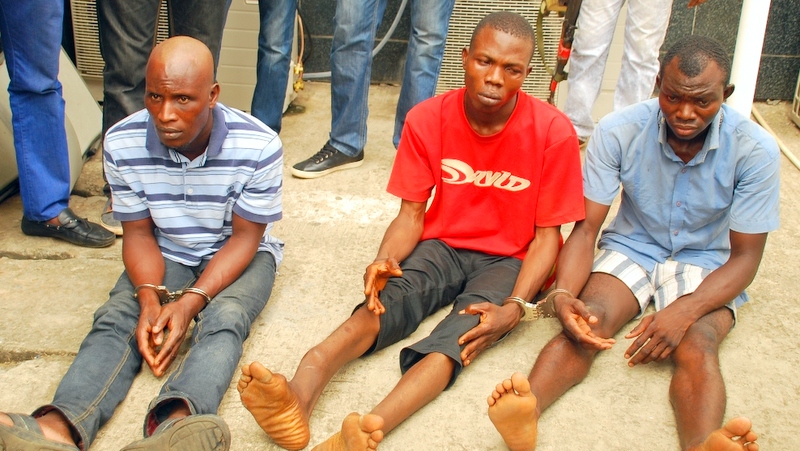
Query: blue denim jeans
(356, 22)
(109, 359)
(31, 35)
(275, 36)
(127, 30)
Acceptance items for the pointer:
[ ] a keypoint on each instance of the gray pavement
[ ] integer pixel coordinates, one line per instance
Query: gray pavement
(332, 227)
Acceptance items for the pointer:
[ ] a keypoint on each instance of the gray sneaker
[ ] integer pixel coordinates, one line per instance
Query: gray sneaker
(327, 160)
(107, 219)
(192, 433)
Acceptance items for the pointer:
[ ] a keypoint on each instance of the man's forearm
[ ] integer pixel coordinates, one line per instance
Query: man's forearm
(575, 261)
(538, 263)
(403, 233)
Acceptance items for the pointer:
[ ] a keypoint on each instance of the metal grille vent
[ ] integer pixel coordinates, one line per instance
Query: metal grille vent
(467, 14)
(87, 42)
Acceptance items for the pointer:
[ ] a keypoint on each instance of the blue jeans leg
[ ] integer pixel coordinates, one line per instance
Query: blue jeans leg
(272, 66)
(31, 34)
(355, 25)
(205, 373)
(109, 359)
(429, 22)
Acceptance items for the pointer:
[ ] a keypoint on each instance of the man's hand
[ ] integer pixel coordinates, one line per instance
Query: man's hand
(375, 278)
(577, 321)
(494, 322)
(160, 336)
(657, 336)
(148, 341)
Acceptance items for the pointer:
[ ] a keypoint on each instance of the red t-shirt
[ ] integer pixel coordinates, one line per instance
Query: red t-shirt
(490, 191)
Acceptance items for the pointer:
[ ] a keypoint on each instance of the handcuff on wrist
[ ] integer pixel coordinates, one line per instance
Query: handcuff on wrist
(165, 296)
(531, 311)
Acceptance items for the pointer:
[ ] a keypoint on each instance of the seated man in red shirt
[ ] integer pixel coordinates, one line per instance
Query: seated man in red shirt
(503, 169)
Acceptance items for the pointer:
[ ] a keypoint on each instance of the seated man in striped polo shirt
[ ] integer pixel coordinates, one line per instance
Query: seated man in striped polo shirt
(197, 186)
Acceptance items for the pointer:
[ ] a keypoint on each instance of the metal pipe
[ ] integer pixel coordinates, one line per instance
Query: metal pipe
(747, 56)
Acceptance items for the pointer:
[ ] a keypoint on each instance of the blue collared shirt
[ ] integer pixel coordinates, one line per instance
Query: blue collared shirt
(672, 209)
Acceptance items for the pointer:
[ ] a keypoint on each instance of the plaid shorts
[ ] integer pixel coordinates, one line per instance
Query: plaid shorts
(667, 282)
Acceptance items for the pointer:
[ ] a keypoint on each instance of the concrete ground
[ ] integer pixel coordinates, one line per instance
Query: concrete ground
(332, 227)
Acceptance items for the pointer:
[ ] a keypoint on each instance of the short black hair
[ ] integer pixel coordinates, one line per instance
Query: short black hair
(694, 52)
(507, 22)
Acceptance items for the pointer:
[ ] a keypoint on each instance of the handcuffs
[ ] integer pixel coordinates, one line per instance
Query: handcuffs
(531, 311)
(165, 296)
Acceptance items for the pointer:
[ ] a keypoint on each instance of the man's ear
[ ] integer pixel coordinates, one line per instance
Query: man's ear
(213, 96)
(728, 91)
(464, 54)
(658, 81)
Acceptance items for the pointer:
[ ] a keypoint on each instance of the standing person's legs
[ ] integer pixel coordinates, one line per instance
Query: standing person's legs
(31, 34)
(203, 20)
(127, 30)
(429, 23)
(587, 63)
(127, 33)
(275, 35)
(355, 25)
(645, 29)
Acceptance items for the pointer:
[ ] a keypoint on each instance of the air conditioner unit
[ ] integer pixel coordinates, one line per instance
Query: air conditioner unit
(467, 14)
(236, 73)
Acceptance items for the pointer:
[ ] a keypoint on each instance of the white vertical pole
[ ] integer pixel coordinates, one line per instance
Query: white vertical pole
(747, 56)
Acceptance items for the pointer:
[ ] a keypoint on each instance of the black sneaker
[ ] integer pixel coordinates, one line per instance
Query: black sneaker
(73, 229)
(326, 161)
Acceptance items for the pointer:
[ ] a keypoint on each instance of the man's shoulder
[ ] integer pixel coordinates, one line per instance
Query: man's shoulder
(638, 114)
(742, 129)
(236, 119)
(540, 111)
(131, 124)
(433, 105)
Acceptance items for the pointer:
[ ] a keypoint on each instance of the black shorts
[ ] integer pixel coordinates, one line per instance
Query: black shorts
(434, 276)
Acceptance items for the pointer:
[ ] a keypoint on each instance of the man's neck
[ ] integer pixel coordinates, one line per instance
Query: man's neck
(486, 124)
(686, 150)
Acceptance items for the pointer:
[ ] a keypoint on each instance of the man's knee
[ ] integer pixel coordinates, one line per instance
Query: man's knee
(226, 316)
(700, 346)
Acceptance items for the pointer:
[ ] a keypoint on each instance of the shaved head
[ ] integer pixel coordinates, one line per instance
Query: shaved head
(184, 56)
(180, 94)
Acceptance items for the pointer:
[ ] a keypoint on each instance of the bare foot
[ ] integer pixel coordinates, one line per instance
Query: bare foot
(735, 435)
(358, 434)
(512, 409)
(53, 425)
(274, 405)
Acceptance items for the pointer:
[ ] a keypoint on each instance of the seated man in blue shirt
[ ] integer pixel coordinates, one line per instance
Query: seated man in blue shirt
(700, 193)
(197, 186)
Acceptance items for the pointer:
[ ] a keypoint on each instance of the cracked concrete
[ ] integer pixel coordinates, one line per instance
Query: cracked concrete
(332, 226)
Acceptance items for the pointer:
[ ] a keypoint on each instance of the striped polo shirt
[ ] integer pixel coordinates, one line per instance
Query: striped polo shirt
(192, 202)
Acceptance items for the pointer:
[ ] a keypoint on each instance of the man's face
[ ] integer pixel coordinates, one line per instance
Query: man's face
(495, 65)
(180, 101)
(690, 104)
